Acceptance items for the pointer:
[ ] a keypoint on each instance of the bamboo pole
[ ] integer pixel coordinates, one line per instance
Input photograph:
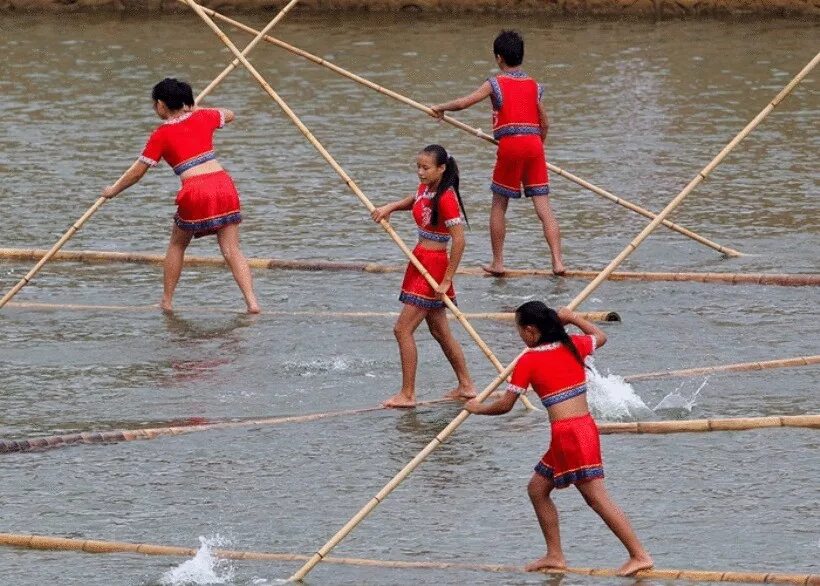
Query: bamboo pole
(474, 131)
(632, 246)
(737, 367)
(100, 256)
(715, 424)
(95, 546)
(351, 185)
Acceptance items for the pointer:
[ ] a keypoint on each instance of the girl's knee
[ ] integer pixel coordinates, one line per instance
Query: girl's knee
(539, 487)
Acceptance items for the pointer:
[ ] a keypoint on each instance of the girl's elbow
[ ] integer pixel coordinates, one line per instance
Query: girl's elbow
(600, 339)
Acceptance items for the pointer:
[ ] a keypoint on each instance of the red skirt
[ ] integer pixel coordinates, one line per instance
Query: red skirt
(415, 290)
(574, 455)
(206, 203)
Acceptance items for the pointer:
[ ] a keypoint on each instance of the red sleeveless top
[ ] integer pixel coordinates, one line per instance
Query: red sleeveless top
(515, 97)
(184, 142)
(449, 213)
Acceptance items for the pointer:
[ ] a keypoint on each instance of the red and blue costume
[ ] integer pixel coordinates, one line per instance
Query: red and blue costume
(574, 455)
(207, 202)
(415, 290)
(520, 159)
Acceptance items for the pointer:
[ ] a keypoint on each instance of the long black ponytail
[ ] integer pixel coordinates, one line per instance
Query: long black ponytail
(448, 179)
(545, 319)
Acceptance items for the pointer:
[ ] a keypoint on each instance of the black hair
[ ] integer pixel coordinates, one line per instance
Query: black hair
(174, 93)
(545, 319)
(448, 179)
(510, 46)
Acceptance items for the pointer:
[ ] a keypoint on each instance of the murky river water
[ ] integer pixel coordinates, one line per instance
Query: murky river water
(637, 108)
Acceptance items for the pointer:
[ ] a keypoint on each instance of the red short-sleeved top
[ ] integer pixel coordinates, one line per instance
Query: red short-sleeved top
(552, 370)
(184, 142)
(449, 213)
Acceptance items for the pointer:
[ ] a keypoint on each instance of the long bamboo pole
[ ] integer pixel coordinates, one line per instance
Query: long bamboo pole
(474, 131)
(100, 256)
(95, 546)
(52, 251)
(632, 246)
(351, 185)
(737, 367)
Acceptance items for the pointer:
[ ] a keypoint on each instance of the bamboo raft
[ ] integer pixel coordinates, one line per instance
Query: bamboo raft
(96, 546)
(98, 256)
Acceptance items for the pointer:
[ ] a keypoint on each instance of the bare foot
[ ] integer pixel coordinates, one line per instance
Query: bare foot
(166, 306)
(635, 564)
(494, 270)
(461, 393)
(548, 562)
(400, 401)
(558, 269)
(254, 308)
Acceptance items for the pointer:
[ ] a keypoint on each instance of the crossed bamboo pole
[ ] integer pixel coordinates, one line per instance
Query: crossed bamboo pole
(725, 250)
(101, 200)
(439, 439)
(350, 184)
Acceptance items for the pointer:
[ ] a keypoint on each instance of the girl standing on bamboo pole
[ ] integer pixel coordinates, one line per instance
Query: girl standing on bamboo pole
(554, 366)
(437, 209)
(207, 202)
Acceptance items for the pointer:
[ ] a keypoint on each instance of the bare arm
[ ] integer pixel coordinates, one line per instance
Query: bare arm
(228, 115)
(545, 122)
(383, 212)
(456, 252)
(570, 317)
(134, 173)
(464, 102)
(503, 404)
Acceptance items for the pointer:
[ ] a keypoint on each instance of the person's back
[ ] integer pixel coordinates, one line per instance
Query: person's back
(515, 97)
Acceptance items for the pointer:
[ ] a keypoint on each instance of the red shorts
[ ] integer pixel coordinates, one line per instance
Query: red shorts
(574, 455)
(206, 203)
(415, 290)
(520, 160)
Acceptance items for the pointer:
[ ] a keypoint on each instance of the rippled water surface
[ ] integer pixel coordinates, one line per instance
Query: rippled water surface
(636, 108)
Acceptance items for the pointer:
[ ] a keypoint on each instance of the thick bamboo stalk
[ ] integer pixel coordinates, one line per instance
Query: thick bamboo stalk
(350, 183)
(474, 131)
(596, 316)
(52, 251)
(632, 246)
(715, 424)
(737, 367)
(96, 546)
(100, 256)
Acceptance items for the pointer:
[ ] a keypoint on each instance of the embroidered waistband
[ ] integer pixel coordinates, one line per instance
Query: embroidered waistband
(562, 396)
(434, 236)
(516, 130)
(194, 161)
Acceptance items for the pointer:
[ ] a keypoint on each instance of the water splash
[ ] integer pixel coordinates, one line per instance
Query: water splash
(611, 398)
(676, 404)
(203, 568)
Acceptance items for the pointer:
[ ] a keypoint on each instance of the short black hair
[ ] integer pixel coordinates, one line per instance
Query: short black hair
(510, 46)
(174, 93)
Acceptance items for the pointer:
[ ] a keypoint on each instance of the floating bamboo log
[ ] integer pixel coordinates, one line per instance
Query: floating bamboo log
(99, 256)
(474, 131)
(96, 546)
(702, 425)
(702, 174)
(737, 367)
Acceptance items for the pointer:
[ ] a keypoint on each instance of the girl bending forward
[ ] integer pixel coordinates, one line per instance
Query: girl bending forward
(436, 208)
(554, 366)
(207, 202)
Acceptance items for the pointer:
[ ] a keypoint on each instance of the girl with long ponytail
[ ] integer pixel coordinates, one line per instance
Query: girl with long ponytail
(554, 367)
(439, 214)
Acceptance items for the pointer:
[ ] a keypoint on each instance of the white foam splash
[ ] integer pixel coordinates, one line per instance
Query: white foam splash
(676, 403)
(613, 399)
(203, 568)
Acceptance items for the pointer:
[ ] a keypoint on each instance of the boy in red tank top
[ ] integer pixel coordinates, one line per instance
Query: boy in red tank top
(520, 126)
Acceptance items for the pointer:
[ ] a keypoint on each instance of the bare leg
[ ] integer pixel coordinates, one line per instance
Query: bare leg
(228, 238)
(597, 497)
(498, 231)
(409, 319)
(539, 490)
(552, 233)
(172, 266)
(437, 322)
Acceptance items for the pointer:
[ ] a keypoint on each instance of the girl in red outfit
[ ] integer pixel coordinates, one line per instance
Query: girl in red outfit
(554, 366)
(207, 202)
(436, 208)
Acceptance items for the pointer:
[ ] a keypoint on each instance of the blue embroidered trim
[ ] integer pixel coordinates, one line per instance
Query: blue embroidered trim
(495, 95)
(516, 73)
(504, 191)
(194, 161)
(534, 190)
(571, 477)
(562, 396)
(434, 236)
(423, 302)
(516, 130)
(540, 92)
(208, 226)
